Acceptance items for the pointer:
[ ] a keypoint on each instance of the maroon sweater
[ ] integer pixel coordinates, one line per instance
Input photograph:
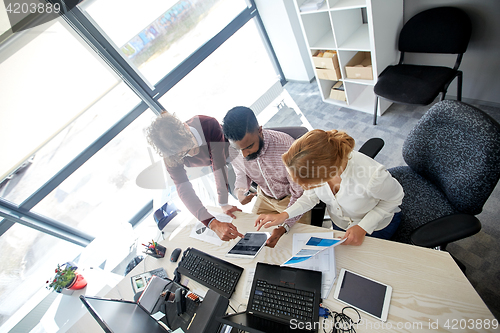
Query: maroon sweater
(213, 152)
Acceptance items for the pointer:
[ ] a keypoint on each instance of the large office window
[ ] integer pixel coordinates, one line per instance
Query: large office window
(28, 258)
(157, 35)
(102, 194)
(237, 73)
(74, 110)
(57, 97)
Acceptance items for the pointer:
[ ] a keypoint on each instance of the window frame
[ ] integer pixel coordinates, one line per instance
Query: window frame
(149, 96)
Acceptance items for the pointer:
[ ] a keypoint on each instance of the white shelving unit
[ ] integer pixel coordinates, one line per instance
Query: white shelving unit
(350, 26)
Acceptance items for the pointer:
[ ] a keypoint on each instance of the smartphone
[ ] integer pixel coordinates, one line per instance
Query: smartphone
(251, 189)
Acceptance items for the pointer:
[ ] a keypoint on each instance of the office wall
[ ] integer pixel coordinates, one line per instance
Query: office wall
(283, 28)
(480, 63)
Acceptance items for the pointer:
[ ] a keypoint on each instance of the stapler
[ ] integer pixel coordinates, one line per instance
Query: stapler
(180, 300)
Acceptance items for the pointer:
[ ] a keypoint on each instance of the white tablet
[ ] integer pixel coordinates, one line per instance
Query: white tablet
(249, 246)
(365, 294)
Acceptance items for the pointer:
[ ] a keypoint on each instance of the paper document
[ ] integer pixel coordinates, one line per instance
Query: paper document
(313, 247)
(248, 284)
(309, 5)
(316, 252)
(201, 232)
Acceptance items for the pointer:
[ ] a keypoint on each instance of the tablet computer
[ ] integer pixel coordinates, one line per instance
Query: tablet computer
(249, 246)
(365, 294)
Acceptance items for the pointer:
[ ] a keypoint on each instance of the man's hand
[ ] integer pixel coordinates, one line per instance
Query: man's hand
(269, 220)
(244, 199)
(225, 231)
(354, 235)
(275, 236)
(228, 210)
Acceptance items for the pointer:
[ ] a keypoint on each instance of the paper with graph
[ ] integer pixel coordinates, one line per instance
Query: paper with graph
(316, 252)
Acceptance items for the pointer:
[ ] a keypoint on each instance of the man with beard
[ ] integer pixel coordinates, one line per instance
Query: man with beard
(260, 161)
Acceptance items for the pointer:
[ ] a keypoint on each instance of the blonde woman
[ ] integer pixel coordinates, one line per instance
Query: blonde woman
(360, 194)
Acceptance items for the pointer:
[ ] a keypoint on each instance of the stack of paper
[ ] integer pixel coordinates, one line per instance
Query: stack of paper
(316, 253)
(309, 5)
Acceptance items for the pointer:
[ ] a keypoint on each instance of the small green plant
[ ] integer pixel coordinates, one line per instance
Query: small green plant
(65, 274)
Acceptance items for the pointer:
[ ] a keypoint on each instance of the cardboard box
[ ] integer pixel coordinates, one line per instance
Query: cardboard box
(325, 59)
(337, 92)
(360, 67)
(328, 74)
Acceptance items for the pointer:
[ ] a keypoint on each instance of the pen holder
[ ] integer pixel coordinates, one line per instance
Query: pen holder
(159, 251)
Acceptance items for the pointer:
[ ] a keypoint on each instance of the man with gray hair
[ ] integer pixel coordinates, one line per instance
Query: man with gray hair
(195, 143)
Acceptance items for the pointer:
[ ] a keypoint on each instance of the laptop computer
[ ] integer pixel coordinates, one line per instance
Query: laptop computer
(282, 299)
(121, 316)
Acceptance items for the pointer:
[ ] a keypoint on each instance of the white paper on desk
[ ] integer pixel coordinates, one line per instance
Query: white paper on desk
(248, 284)
(201, 232)
(323, 259)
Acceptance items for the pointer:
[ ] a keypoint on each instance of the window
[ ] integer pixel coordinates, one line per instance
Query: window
(74, 128)
(28, 258)
(64, 93)
(237, 73)
(103, 193)
(157, 35)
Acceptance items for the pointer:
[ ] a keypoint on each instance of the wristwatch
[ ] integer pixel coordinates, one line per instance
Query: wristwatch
(286, 226)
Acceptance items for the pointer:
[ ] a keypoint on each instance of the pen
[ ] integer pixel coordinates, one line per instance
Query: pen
(191, 321)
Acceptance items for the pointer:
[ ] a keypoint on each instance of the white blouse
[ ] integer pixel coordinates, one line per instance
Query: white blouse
(368, 196)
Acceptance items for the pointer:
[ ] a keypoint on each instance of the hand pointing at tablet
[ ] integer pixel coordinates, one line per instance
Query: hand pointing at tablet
(225, 231)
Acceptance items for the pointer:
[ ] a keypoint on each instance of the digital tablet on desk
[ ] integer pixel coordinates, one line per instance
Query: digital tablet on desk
(365, 294)
(249, 246)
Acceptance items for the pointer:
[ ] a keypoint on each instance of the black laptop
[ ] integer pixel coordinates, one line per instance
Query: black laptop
(121, 316)
(282, 299)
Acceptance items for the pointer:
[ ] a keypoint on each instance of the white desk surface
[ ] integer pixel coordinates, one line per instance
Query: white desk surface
(430, 292)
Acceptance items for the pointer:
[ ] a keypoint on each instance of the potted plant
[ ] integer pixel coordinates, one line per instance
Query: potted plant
(66, 277)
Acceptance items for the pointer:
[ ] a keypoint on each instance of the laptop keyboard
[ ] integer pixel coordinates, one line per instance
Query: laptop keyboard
(282, 302)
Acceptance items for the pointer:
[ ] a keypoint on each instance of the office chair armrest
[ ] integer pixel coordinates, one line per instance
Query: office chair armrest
(445, 230)
(372, 147)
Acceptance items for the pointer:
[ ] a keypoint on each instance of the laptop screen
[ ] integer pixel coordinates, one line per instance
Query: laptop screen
(121, 316)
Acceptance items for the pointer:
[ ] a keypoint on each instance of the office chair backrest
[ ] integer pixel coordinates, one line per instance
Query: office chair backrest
(294, 131)
(436, 30)
(456, 147)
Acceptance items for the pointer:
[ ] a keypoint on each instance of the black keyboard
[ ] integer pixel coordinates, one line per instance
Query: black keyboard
(281, 302)
(219, 275)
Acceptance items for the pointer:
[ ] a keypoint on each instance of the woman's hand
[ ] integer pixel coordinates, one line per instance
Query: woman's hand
(354, 236)
(269, 220)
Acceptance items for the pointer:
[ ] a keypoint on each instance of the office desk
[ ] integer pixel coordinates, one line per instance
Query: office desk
(430, 293)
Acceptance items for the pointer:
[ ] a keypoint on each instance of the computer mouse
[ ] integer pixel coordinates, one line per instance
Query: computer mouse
(175, 255)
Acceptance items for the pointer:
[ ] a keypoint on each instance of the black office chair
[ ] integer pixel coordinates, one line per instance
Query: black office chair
(445, 30)
(453, 158)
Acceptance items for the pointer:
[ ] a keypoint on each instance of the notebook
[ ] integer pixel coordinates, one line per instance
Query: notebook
(282, 299)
